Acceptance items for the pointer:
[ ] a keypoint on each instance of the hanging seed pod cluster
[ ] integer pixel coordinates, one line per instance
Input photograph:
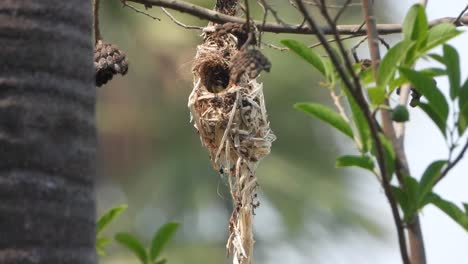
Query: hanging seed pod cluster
(228, 110)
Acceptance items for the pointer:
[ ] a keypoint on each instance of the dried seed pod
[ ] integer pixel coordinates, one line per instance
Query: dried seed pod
(108, 61)
(250, 62)
(415, 97)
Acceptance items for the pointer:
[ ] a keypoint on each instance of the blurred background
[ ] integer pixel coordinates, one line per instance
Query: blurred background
(151, 157)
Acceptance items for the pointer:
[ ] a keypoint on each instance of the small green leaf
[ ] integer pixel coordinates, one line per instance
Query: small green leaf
(306, 53)
(376, 95)
(463, 95)
(415, 26)
(462, 120)
(453, 69)
(451, 210)
(361, 124)
(110, 215)
(411, 188)
(434, 116)
(389, 155)
(394, 56)
(401, 197)
(400, 114)
(427, 87)
(429, 178)
(463, 106)
(440, 34)
(433, 72)
(134, 245)
(327, 115)
(101, 242)
(364, 162)
(437, 58)
(160, 239)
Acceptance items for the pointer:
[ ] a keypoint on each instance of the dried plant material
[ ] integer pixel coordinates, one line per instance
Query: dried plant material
(240, 31)
(250, 62)
(232, 122)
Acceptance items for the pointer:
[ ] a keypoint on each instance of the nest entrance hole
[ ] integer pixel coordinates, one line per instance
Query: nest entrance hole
(215, 76)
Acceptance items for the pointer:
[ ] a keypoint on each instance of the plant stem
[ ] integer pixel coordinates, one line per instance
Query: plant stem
(388, 129)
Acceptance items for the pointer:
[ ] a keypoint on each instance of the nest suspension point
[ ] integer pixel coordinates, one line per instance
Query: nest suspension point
(228, 110)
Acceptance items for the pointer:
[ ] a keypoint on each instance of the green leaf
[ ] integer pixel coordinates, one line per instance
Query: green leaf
(134, 245)
(361, 123)
(110, 215)
(101, 242)
(434, 116)
(160, 239)
(453, 69)
(306, 53)
(463, 106)
(427, 87)
(429, 178)
(463, 120)
(463, 100)
(437, 58)
(327, 115)
(451, 210)
(388, 65)
(411, 188)
(439, 34)
(389, 155)
(364, 162)
(376, 95)
(415, 26)
(433, 72)
(401, 197)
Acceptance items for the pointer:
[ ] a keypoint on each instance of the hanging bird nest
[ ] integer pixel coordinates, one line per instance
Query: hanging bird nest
(228, 109)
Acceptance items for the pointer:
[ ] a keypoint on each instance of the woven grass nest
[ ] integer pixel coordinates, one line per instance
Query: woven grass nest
(228, 110)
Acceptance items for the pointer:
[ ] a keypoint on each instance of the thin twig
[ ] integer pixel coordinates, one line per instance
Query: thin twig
(220, 18)
(177, 22)
(125, 4)
(97, 31)
(452, 164)
(331, 6)
(457, 21)
(341, 11)
(268, 7)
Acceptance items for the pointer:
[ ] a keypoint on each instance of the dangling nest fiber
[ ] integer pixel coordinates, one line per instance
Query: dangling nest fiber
(228, 110)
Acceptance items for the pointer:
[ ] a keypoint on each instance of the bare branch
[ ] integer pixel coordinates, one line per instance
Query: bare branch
(125, 4)
(218, 17)
(177, 22)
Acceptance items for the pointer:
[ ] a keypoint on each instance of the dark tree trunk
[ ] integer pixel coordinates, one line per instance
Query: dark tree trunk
(47, 132)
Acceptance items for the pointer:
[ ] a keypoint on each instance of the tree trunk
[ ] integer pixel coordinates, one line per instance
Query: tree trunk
(47, 132)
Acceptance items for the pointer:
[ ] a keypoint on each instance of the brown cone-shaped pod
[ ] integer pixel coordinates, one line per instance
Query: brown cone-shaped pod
(108, 61)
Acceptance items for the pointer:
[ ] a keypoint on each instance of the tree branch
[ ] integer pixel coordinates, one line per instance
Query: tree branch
(372, 37)
(217, 17)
